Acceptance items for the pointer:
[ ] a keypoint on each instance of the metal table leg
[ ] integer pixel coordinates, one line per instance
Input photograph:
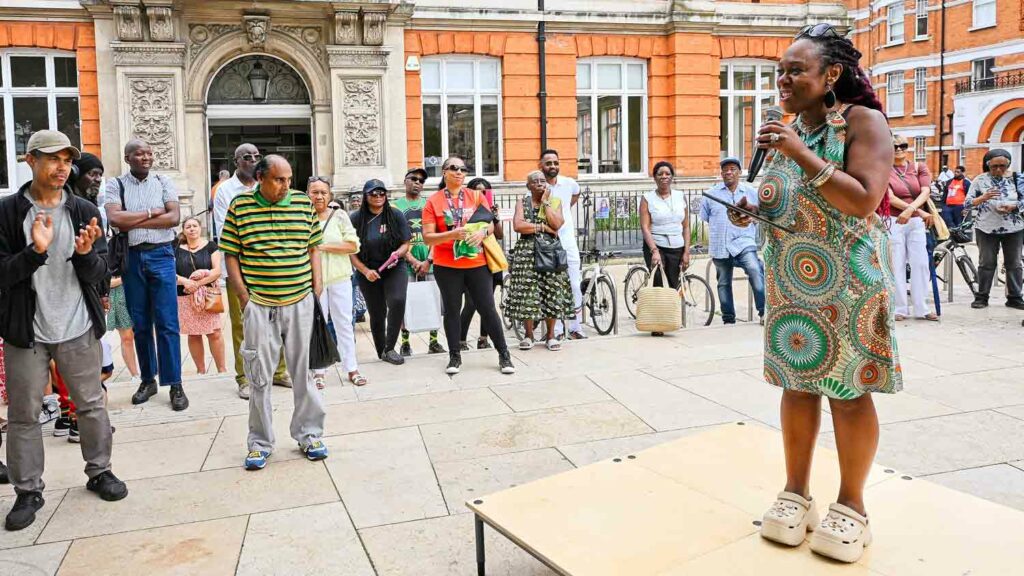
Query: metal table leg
(479, 525)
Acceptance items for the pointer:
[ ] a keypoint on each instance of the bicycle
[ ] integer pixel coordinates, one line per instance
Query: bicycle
(954, 246)
(697, 311)
(598, 289)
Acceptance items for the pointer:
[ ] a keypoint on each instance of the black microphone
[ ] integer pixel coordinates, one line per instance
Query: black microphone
(771, 113)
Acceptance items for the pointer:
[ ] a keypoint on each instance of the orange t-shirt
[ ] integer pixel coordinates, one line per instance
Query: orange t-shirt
(434, 211)
(957, 194)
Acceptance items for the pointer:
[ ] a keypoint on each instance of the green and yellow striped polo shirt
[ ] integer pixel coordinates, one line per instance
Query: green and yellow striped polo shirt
(272, 242)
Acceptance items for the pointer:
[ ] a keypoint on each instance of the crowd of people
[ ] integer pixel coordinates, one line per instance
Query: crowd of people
(851, 208)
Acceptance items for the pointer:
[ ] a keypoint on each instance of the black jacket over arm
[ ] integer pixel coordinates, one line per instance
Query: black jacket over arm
(18, 261)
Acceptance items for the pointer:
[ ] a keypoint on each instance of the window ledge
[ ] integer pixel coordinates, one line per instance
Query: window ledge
(982, 27)
(922, 38)
(920, 113)
(891, 44)
(900, 115)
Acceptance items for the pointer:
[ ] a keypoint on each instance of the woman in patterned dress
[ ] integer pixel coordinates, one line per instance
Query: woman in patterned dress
(535, 295)
(829, 325)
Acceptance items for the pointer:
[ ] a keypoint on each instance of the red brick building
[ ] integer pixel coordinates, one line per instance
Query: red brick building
(951, 74)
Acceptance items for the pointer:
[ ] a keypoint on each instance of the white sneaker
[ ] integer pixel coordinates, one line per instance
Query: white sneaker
(50, 409)
(842, 535)
(789, 519)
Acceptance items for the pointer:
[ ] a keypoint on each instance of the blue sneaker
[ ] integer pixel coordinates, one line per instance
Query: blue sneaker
(256, 460)
(315, 451)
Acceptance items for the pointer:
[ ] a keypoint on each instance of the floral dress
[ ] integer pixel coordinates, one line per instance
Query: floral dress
(536, 295)
(829, 322)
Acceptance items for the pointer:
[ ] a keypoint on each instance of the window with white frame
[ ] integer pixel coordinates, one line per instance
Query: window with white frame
(462, 113)
(984, 13)
(894, 94)
(982, 74)
(38, 91)
(920, 91)
(611, 116)
(920, 154)
(921, 23)
(746, 88)
(894, 23)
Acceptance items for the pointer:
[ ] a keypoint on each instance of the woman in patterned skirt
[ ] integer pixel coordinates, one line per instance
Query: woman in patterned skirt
(535, 295)
(829, 325)
(198, 265)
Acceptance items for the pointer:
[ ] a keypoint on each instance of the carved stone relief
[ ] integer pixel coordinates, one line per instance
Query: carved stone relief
(161, 26)
(339, 57)
(374, 24)
(129, 22)
(346, 29)
(256, 28)
(153, 118)
(361, 112)
(148, 54)
(200, 35)
(308, 36)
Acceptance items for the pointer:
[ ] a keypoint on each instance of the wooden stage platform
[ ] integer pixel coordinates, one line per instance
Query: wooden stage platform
(690, 507)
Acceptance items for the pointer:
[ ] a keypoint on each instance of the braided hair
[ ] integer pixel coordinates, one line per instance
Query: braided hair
(853, 85)
(388, 217)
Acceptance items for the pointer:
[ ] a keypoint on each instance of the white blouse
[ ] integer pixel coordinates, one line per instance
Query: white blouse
(667, 218)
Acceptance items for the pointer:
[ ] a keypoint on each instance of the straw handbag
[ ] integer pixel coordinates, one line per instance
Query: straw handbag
(658, 309)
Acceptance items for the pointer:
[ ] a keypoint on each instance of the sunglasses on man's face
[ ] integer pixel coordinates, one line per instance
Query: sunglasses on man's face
(818, 30)
(462, 169)
(251, 157)
(903, 147)
(416, 179)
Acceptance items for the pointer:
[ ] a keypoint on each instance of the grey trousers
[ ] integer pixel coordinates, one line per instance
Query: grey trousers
(268, 330)
(28, 369)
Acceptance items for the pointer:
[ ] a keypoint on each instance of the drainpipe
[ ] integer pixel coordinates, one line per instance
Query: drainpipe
(543, 94)
(942, 86)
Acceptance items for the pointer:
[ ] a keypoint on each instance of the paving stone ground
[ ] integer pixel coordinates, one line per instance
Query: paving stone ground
(408, 449)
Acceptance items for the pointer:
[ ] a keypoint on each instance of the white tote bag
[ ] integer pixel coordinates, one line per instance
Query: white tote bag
(423, 307)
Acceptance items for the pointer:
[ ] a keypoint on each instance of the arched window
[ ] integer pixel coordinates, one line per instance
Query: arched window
(462, 113)
(38, 91)
(611, 116)
(747, 87)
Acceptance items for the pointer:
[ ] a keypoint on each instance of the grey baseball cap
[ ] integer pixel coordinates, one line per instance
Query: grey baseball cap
(730, 160)
(51, 142)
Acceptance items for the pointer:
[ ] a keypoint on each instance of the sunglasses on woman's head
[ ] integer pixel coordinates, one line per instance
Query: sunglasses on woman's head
(818, 30)
(462, 169)
(251, 157)
(903, 147)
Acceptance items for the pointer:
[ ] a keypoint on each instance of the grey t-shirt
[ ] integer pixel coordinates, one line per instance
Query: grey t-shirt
(61, 313)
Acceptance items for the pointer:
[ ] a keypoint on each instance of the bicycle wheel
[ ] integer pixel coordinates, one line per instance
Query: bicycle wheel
(603, 306)
(969, 272)
(502, 296)
(698, 302)
(636, 279)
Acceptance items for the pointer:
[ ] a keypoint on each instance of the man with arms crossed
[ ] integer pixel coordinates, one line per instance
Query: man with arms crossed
(270, 240)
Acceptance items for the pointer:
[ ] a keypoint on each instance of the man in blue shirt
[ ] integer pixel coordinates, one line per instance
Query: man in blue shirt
(731, 244)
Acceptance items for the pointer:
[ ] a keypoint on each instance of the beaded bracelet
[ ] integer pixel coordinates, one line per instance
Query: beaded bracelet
(819, 180)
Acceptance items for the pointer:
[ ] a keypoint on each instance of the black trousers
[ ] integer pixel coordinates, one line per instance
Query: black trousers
(671, 259)
(478, 284)
(988, 249)
(385, 301)
(470, 309)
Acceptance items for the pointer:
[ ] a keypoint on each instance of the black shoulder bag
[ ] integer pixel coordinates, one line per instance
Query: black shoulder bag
(548, 254)
(117, 248)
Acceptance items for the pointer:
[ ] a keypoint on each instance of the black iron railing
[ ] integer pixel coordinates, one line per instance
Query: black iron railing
(1014, 79)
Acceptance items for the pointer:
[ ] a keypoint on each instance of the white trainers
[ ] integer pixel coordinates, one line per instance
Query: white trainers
(789, 519)
(842, 535)
(50, 410)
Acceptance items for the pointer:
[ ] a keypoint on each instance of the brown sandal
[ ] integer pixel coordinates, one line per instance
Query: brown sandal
(931, 317)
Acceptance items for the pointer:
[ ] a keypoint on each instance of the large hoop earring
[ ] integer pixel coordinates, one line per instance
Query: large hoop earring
(830, 98)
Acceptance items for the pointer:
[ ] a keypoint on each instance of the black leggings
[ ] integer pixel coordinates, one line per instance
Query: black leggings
(671, 258)
(470, 308)
(385, 299)
(478, 284)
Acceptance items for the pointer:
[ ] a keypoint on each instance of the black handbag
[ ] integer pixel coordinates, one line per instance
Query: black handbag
(117, 247)
(548, 254)
(323, 350)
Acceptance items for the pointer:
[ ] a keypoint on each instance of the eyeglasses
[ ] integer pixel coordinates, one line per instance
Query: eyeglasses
(377, 193)
(818, 30)
(416, 180)
(251, 157)
(992, 166)
(903, 147)
(318, 179)
(462, 169)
